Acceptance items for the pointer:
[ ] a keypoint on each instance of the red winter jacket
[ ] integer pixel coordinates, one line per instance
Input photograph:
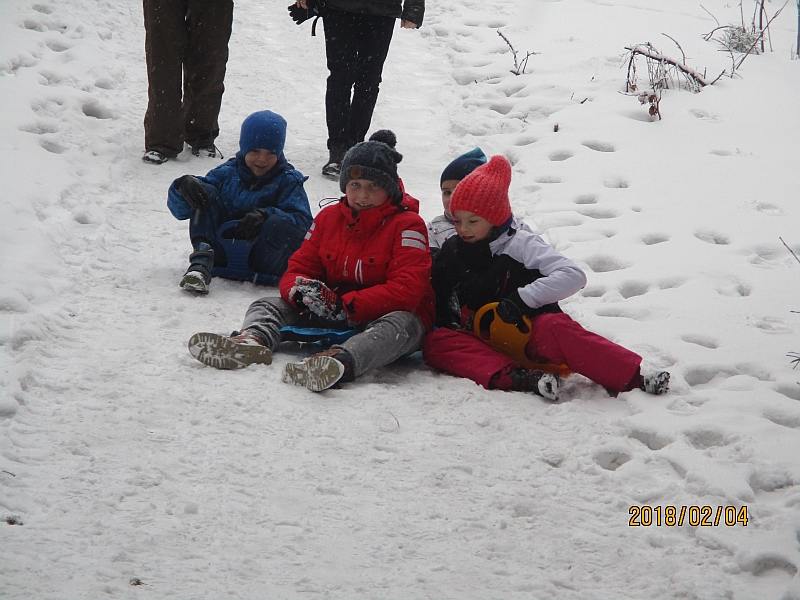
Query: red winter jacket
(377, 261)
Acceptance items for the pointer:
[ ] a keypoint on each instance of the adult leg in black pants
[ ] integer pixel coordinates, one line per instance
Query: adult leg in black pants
(356, 46)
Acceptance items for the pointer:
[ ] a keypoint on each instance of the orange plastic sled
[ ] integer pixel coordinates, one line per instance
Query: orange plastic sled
(509, 340)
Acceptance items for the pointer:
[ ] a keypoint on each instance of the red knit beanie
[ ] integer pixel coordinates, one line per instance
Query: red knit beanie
(484, 192)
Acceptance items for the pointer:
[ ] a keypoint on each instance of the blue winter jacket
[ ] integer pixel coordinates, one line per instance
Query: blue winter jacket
(280, 191)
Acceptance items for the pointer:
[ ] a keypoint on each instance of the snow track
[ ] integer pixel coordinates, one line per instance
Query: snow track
(124, 458)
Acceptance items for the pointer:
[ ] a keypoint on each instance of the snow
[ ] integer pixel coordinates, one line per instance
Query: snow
(124, 458)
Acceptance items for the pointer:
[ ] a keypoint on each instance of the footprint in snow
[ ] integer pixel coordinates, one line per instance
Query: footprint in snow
(632, 289)
(705, 115)
(599, 213)
(652, 239)
(600, 146)
(703, 439)
(616, 182)
(560, 155)
(603, 264)
(548, 179)
(772, 325)
(586, 199)
(651, 439)
(701, 340)
(712, 237)
(734, 287)
(611, 460)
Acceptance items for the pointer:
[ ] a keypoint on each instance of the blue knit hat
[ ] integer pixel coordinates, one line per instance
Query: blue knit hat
(463, 165)
(264, 129)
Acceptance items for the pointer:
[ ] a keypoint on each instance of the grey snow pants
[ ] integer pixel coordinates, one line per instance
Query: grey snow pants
(383, 341)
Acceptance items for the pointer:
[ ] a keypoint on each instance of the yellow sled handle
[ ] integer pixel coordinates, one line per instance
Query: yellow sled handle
(508, 339)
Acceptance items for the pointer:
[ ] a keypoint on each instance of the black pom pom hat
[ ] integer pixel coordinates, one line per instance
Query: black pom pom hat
(375, 160)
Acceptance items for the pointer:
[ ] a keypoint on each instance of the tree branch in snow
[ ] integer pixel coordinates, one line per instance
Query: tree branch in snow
(648, 51)
(789, 249)
(519, 66)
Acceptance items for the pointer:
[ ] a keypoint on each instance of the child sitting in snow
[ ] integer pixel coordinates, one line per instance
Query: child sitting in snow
(260, 189)
(364, 264)
(493, 260)
(441, 228)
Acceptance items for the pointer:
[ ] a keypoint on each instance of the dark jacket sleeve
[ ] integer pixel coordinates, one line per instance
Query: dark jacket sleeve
(176, 203)
(444, 279)
(414, 11)
(291, 200)
(410, 10)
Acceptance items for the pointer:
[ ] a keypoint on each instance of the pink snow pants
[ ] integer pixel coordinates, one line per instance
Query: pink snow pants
(555, 338)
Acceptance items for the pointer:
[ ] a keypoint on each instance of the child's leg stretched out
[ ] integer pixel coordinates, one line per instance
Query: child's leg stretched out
(385, 340)
(558, 339)
(463, 354)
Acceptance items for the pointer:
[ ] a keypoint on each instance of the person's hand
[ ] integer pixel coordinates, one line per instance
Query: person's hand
(193, 191)
(317, 297)
(512, 309)
(250, 225)
(405, 24)
(302, 4)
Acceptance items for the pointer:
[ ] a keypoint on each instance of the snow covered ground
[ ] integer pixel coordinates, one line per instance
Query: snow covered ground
(124, 458)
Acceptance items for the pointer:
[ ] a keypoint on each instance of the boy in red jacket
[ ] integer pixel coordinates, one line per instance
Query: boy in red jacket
(364, 264)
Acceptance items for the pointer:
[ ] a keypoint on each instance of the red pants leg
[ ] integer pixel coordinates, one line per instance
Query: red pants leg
(560, 340)
(462, 354)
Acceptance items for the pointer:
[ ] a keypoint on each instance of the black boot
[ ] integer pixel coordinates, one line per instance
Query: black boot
(539, 382)
(198, 275)
(334, 164)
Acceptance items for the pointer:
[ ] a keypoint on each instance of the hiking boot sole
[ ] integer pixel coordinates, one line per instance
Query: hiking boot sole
(220, 352)
(316, 373)
(194, 282)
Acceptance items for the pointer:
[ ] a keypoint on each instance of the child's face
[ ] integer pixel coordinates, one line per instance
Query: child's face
(447, 192)
(260, 161)
(363, 194)
(470, 227)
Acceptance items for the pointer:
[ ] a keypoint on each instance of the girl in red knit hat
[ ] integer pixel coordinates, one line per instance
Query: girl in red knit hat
(492, 259)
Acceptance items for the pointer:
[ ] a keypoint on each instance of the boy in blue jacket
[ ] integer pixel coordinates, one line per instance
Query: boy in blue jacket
(259, 189)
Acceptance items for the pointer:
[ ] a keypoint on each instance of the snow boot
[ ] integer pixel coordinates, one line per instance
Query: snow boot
(540, 383)
(207, 152)
(234, 352)
(198, 276)
(655, 383)
(333, 167)
(154, 157)
(320, 371)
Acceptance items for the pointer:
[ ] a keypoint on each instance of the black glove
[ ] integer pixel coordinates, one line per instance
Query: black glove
(301, 15)
(250, 225)
(193, 191)
(512, 308)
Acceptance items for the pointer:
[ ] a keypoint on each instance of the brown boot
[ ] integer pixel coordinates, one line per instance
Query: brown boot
(320, 371)
(235, 352)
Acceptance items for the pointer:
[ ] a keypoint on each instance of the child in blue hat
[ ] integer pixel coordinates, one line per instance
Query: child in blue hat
(258, 188)
(442, 228)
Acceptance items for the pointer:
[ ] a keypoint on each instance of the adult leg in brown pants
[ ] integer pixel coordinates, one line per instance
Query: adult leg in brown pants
(186, 45)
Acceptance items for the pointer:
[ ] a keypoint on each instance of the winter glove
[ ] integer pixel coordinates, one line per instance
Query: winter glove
(193, 191)
(250, 225)
(512, 308)
(318, 298)
(301, 15)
